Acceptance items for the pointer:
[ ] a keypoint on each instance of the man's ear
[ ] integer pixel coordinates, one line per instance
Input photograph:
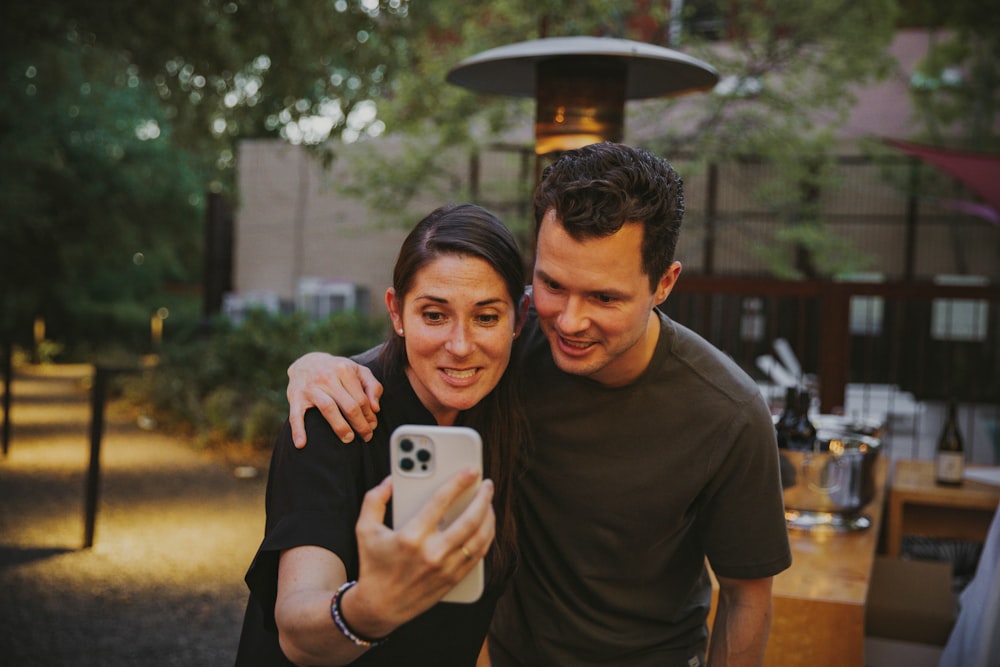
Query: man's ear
(394, 307)
(667, 282)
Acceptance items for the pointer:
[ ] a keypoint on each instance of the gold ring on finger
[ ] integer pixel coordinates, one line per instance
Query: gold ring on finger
(465, 552)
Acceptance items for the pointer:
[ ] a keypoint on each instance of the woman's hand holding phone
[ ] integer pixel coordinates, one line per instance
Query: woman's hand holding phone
(406, 570)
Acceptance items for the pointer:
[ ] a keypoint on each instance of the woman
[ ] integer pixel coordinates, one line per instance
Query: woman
(456, 307)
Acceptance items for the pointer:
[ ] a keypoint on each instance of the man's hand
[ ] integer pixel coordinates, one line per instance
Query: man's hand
(345, 392)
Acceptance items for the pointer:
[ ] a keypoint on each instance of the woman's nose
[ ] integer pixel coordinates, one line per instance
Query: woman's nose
(460, 341)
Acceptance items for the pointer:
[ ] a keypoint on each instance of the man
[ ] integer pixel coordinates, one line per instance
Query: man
(651, 450)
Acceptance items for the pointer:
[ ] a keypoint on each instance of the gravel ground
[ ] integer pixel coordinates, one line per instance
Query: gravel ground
(176, 529)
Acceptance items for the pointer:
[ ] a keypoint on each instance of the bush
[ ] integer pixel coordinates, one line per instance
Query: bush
(229, 384)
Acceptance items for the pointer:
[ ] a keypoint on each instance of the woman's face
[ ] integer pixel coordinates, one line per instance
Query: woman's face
(458, 325)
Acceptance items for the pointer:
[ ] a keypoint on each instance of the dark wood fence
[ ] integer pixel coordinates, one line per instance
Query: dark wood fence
(934, 341)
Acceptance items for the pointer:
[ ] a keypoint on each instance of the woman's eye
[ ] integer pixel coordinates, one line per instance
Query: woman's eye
(488, 319)
(433, 317)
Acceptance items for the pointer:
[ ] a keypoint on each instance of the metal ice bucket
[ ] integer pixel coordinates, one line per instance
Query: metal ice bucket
(830, 484)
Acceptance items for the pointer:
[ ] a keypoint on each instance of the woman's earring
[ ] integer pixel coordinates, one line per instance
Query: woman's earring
(400, 331)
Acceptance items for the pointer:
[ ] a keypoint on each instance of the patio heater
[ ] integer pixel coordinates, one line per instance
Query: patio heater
(581, 84)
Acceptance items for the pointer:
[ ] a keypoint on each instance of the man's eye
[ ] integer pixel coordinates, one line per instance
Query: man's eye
(605, 298)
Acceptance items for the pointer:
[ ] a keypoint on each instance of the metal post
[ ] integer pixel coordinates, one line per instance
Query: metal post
(97, 400)
(711, 211)
(218, 270)
(834, 345)
(912, 216)
(8, 375)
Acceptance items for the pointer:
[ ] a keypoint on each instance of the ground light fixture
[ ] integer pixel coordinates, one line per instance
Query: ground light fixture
(581, 84)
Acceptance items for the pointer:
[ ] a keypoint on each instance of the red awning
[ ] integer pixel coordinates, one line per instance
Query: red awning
(979, 172)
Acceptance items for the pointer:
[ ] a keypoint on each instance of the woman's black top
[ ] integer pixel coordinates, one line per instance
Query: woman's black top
(314, 496)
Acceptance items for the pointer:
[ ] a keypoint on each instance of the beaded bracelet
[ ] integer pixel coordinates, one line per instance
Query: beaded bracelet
(342, 625)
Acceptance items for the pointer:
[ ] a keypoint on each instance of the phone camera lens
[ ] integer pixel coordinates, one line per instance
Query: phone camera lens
(423, 456)
(406, 464)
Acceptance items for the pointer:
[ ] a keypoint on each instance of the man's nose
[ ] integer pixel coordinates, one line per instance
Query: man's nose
(573, 317)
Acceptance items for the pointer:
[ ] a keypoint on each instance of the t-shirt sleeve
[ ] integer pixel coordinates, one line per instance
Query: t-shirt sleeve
(746, 536)
(313, 498)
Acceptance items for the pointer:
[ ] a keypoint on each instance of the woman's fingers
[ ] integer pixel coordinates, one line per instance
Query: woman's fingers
(423, 533)
(430, 516)
(468, 538)
(417, 564)
(475, 546)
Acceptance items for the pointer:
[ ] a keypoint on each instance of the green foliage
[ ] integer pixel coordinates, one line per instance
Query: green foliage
(956, 89)
(230, 384)
(788, 80)
(828, 254)
(101, 211)
(224, 70)
(788, 76)
(117, 117)
(789, 69)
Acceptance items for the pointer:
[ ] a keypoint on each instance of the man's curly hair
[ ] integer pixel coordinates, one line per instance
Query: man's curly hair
(597, 189)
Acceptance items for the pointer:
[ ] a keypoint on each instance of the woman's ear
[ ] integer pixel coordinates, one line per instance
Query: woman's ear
(395, 309)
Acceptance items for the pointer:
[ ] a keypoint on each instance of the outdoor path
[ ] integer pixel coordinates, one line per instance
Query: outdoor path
(176, 529)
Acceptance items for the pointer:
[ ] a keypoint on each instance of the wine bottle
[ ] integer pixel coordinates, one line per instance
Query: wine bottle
(788, 417)
(803, 435)
(950, 462)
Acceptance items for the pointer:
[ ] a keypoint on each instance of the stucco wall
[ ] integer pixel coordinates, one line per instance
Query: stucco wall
(291, 223)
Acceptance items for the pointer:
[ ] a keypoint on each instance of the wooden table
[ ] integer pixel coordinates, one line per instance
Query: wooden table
(918, 506)
(819, 602)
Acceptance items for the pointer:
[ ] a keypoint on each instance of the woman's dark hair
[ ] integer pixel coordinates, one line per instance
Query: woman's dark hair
(467, 230)
(597, 189)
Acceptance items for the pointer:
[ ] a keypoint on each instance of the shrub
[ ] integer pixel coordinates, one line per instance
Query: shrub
(229, 383)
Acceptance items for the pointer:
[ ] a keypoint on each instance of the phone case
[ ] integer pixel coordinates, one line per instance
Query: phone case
(423, 458)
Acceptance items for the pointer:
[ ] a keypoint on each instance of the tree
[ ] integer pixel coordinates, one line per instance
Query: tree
(99, 211)
(956, 89)
(224, 70)
(116, 117)
(788, 69)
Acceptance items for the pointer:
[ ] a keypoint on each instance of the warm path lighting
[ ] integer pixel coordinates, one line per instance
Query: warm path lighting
(580, 84)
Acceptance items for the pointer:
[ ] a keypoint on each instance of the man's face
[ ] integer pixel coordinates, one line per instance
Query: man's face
(594, 302)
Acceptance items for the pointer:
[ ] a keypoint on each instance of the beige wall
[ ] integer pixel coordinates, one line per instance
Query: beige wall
(291, 222)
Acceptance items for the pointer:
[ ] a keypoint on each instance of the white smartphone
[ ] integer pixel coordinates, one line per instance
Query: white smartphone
(423, 458)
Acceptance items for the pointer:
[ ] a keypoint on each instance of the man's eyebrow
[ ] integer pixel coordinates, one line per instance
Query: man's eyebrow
(544, 276)
(594, 292)
(615, 294)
